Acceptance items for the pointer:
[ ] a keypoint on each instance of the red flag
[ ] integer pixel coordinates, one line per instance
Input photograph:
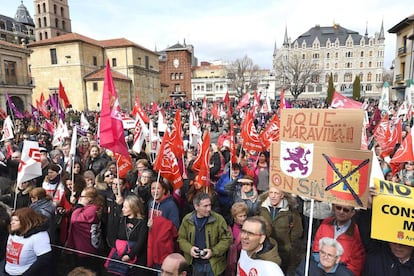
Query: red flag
(3, 114)
(404, 152)
(395, 138)
(111, 130)
(228, 104)
(256, 102)
(340, 101)
(166, 163)
(42, 106)
(271, 132)
(177, 143)
(244, 101)
(48, 125)
(63, 96)
(154, 108)
(138, 110)
(233, 152)
(201, 164)
(215, 110)
(124, 164)
(251, 140)
(204, 109)
(282, 104)
(382, 131)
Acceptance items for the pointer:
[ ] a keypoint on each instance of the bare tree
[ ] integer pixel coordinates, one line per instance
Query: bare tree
(295, 73)
(244, 75)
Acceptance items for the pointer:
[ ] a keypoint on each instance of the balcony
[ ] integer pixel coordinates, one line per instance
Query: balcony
(402, 51)
(399, 78)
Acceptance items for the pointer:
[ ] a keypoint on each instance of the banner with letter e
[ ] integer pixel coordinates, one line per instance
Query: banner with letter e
(393, 213)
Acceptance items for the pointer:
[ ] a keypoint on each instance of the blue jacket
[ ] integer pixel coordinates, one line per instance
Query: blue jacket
(166, 208)
(224, 198)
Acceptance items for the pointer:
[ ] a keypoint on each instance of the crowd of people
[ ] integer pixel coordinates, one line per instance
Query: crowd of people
(81, 216)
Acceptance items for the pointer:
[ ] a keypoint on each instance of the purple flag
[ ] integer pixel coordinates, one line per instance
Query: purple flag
(35, 113)
(13, 108)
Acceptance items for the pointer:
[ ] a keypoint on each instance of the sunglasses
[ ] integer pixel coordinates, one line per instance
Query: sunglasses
(343, 209)
(109, 175)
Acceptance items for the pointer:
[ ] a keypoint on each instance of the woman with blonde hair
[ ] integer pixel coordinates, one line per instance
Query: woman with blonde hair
(85, 228)
(131, 239)
(28, 246)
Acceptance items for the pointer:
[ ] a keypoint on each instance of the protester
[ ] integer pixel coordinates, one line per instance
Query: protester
(4, 234)
(28, 249)
(53, 184)
(42, 204)
(175, 265)
(131, 239)
(328, 262)
(261, 172)
(343, 228)
(84, 229)
(204, 238)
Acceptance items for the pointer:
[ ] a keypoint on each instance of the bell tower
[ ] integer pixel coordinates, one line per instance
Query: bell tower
(51, 18)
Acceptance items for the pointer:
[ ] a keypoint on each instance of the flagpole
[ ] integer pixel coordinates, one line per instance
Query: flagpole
(117, 175)
(308, 245)
(15, 197)
(153, 201)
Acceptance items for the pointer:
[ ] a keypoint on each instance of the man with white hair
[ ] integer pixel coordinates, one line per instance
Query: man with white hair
(327, 261)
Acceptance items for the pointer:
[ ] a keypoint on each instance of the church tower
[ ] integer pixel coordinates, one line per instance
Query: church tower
(51, 18)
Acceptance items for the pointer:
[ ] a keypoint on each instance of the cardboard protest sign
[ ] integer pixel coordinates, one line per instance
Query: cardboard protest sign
(324, 173)
(393, 213)
(323, 127)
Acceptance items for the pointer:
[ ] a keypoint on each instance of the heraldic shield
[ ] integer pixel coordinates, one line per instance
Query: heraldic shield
(296, 159)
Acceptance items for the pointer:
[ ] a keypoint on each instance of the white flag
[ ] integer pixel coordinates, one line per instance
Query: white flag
(84, 124)
(141, 132)
(61, 133)
(7, 129)
(154, 139)
(29, 167)
(384, 101)
(162, 125)
(72, 151)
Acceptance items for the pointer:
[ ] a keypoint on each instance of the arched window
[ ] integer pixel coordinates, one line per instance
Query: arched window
(40, 36)
(38, 8)
(62, 11)
(56, 23)
(40, 22)
(361, 76)
(54, 9)
(44, 7)
(369, 76)
(63, 25)
(46, 36)
(44, 21)
(335, 78)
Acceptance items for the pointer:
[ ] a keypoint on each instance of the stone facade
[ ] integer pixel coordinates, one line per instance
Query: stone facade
(342, 52)
(14, 76)
(51, 18)
(78, 61)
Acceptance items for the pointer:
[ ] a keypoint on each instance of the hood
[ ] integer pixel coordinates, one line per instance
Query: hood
(40, 228)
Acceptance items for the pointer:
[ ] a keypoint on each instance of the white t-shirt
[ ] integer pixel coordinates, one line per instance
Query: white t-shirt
(50, 190)
(251, 267)
(22, 252)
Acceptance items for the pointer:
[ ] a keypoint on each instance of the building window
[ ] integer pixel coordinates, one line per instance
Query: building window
(177, 87)
(172, 76)
(40, 36)
(181, 76)
(362, 53)
(54, 9)
(63, 25)
(327, 66)
(336, 65)
(327, 78)
(336, 55)
(369, 87)
(44, 7)
(114, 62)
(328, 55)
(53, 56)
(10, 72)
(44, 21)
(348, 77)
(95, 61)
(361, 77)
(315, 55)
(40, 22)
(370, 53)
(370, 64)
(209, 87)
(46, 36)
(369, 76)
(303, 56)
(335, 77)
(177, 76)
(38, 8)
(146, 62)
(56, 23)
(95, 86)
(62, 11)
(361, 64)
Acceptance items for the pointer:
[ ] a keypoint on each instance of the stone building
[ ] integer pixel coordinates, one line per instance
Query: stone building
(340, 51)
(404, 54)
(79, 61)
(17, 30)
(51, 18)
(175, 67)
(14, 76)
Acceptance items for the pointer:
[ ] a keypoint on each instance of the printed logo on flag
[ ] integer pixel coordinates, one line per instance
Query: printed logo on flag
(296, 159)
(348, 174)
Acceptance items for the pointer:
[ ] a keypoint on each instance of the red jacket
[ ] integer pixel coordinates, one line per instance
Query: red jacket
(162, 238)
(354, 251)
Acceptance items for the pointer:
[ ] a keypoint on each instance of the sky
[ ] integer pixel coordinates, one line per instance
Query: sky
(226, 30)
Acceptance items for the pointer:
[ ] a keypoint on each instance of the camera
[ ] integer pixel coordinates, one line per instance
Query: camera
(201, 253)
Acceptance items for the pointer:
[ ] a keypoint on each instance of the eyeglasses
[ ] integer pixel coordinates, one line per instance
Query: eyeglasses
(327, 255)
(140, 168)
(109, 175)
(343, 209)
(250, 234)
(145, 176)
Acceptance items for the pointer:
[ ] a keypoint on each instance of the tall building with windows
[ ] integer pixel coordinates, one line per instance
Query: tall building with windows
(17, 30)
(404, 56)
(51, 18)
(340, 51)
